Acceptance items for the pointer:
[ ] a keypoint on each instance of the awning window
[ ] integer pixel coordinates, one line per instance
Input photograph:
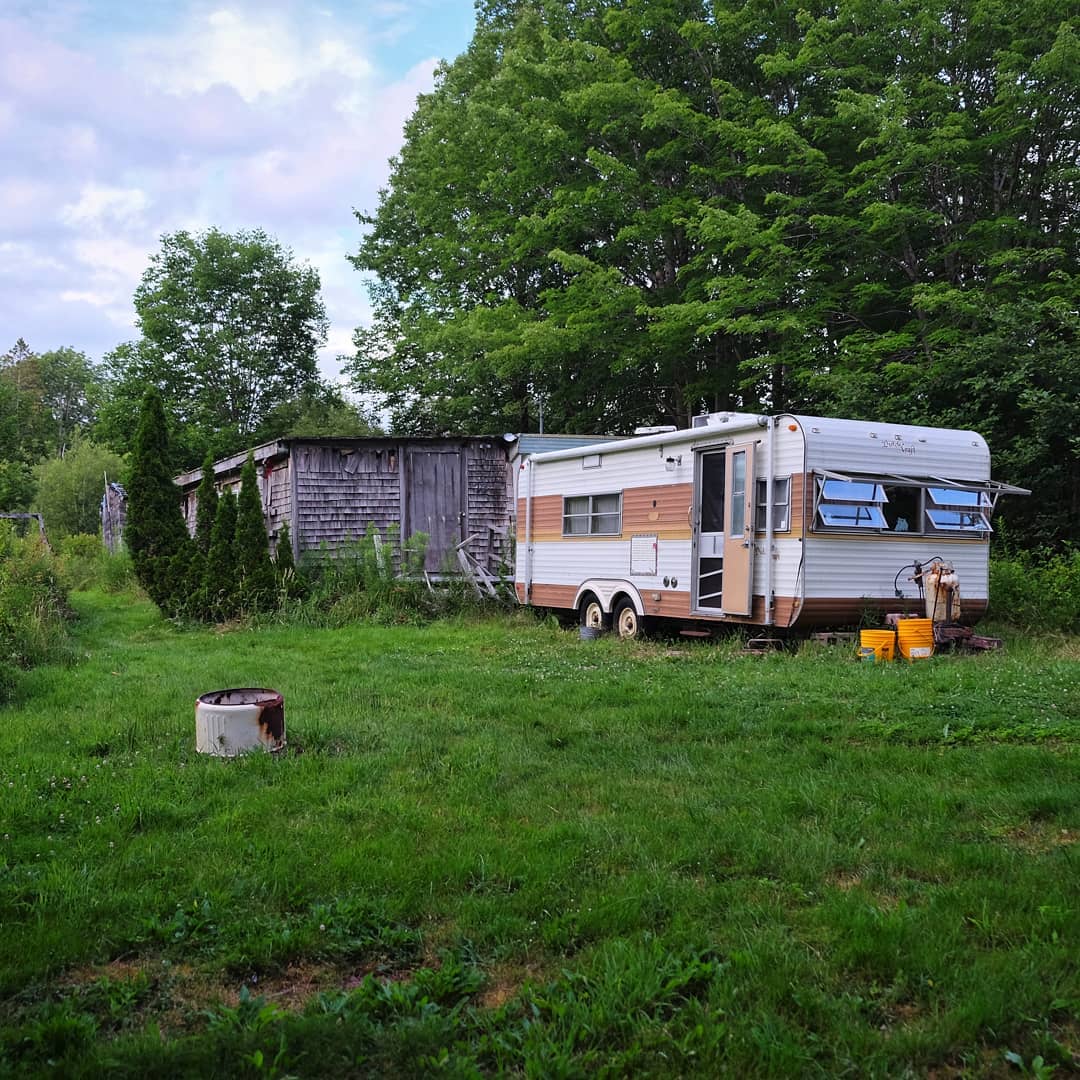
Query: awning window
(931, 503)
(851, 504)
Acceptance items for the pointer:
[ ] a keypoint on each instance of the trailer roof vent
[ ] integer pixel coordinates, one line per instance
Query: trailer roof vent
(655, 429)
(705, 419)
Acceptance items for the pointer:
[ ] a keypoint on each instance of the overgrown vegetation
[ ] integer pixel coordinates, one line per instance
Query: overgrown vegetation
(378, 578)
(1037, 590)
(504, 850)
(862, 209)
(34, 612)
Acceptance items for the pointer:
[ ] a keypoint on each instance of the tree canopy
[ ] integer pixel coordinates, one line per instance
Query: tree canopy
(636, 209)
(230, 329)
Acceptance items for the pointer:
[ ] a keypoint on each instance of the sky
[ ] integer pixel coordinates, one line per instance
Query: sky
(123, 120)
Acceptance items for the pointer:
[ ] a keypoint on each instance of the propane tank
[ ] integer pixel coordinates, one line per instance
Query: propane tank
(942, 593)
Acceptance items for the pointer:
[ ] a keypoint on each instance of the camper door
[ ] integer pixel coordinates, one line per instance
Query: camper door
(723, 530)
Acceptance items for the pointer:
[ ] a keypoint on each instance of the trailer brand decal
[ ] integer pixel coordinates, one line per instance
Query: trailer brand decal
(899, 446)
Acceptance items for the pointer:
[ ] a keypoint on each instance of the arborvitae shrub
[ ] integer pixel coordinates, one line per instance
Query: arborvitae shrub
(289, 582)
(283, 553)
(256, 571)
(155, 531)
(206, 506)
(220, 579)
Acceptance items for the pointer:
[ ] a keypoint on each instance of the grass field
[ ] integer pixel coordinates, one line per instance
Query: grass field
(492, 847)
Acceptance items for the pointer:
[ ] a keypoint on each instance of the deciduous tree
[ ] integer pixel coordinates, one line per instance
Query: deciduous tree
(230, 328)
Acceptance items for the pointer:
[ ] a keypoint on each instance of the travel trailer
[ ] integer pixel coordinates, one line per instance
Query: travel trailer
(786, 522)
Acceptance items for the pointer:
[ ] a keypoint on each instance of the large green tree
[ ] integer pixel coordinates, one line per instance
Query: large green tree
(70, 488)
(635, 209)
(230, 329)
(46, 400)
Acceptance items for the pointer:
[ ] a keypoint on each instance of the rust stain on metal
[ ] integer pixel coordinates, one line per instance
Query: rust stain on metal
(271, 706)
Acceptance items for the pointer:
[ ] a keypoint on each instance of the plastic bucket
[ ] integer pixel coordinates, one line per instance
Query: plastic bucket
(877, 646)
(915, 638)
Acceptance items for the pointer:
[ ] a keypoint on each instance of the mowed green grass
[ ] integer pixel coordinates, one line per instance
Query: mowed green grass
(492, 847)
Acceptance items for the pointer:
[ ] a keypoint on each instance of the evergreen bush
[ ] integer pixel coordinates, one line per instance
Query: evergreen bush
(155, 532)
(206, 506)
(220, 578)
(255, 571)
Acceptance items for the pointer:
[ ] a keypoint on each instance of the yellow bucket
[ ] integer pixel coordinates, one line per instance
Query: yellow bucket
(877, 646)
(916, 638)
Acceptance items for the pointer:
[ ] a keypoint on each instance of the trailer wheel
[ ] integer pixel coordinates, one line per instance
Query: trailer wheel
(627, 622)
(592, 614)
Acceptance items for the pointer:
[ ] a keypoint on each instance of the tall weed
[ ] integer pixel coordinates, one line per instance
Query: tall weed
(1037, 590)
(83, 562)
(33, 604)
(377, 578)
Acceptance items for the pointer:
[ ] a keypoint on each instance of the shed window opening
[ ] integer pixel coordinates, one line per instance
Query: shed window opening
(852, 504)
(781, 504)
(592, 515)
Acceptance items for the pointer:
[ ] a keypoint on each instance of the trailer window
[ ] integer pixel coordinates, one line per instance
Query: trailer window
(958, 511)
(781, 505)
(592, 515)
(852, 504)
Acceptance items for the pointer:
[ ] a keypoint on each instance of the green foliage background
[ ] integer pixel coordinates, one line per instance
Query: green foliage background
(633, 211)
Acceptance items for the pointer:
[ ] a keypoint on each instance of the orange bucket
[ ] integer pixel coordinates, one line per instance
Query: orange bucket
(877, 646)
(916, 638)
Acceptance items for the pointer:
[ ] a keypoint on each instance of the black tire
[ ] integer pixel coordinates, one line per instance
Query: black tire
(626, 622)
(591, 613)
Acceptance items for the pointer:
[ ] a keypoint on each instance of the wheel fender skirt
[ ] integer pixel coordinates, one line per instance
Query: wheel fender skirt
(606, 590)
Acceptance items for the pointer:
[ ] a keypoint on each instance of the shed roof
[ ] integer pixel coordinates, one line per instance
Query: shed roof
(279, 448)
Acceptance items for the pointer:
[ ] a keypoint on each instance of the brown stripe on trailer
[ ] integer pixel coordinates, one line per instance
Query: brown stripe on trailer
(847, 610)
(552, 596)
(546, 515)
(659, 508)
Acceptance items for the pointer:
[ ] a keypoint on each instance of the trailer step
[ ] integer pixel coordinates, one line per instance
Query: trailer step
(761, 646)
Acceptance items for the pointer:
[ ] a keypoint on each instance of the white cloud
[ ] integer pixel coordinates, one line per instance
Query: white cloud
(231, 115)
(99, 207)
(255, 53)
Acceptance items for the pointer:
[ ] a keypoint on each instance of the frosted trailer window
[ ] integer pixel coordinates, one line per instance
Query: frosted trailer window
(592, 515)
(781, 503)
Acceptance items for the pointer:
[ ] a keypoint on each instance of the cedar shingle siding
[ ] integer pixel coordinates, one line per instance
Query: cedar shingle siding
(329, 490)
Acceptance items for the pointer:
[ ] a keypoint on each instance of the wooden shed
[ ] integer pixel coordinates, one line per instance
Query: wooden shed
(330, 489)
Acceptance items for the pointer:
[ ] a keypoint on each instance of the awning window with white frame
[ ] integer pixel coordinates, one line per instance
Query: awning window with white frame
(851, 504)
(948, 504)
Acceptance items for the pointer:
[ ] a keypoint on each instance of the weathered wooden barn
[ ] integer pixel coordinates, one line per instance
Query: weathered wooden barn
(330, 489)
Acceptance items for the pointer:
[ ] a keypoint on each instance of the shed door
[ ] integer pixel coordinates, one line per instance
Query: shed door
(739, 534)
(435, 502)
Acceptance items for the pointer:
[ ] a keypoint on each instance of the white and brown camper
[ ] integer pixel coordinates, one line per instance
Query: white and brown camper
(780, 521)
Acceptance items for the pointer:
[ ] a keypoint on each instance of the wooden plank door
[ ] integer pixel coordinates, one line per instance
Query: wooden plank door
(739, 533)
(435, 502)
